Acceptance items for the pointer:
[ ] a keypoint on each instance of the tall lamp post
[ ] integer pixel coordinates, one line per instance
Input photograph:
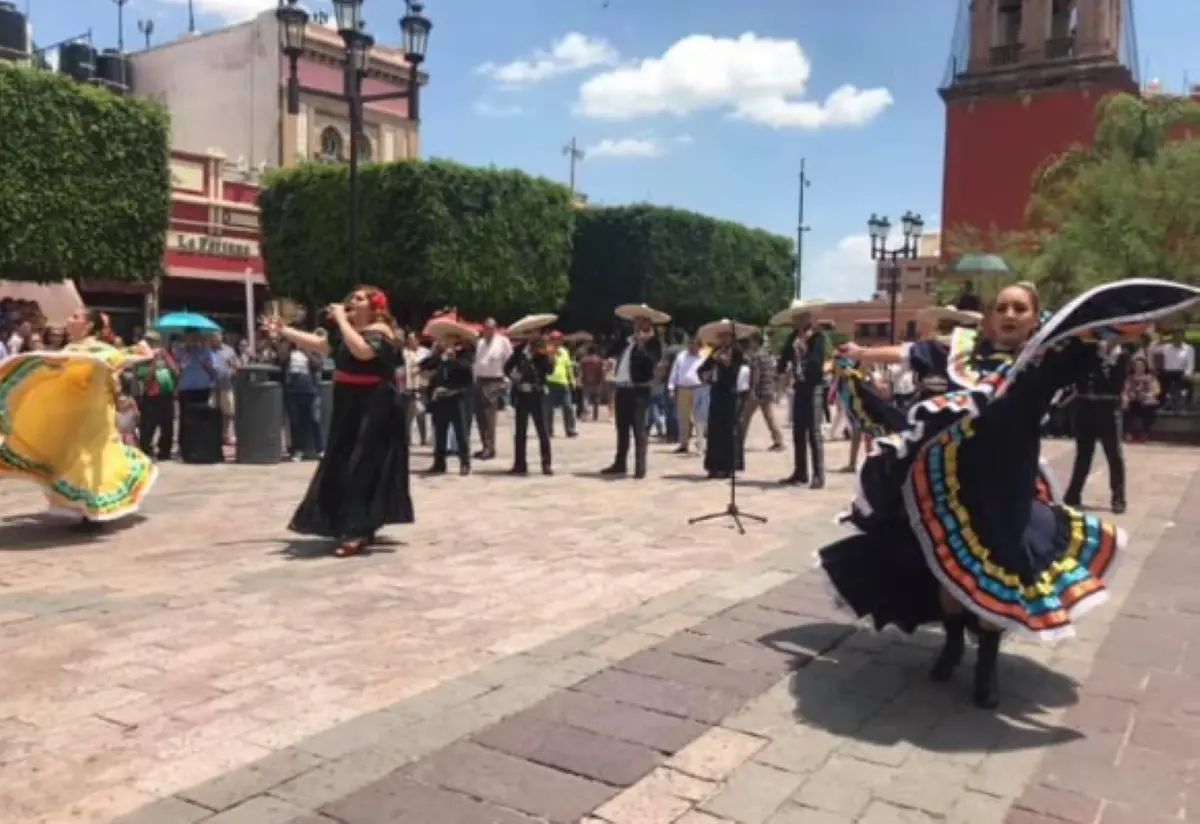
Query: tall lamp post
(879, 227)
(293, 30)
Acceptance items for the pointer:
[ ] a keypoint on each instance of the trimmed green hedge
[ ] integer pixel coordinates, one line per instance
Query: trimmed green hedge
(695, 267)
(85, 180)
(432, 234)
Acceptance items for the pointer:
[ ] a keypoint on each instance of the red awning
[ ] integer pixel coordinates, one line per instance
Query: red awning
(257, 278)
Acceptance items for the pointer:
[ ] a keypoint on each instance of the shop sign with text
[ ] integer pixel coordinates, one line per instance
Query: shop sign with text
(209, 245)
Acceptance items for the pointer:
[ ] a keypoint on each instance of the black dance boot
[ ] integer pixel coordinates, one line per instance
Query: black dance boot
(987, 681)
(952, 648)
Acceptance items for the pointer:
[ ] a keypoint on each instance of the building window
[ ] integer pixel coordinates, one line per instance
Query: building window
(331, 144)
(365, 151)
(872, 331)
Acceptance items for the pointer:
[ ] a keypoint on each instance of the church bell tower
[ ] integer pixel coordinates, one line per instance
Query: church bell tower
(1022, 86)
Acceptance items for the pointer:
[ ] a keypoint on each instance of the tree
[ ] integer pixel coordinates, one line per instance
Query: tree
(85, 180)
(1127, 205)
(696, 267)
(430, 233)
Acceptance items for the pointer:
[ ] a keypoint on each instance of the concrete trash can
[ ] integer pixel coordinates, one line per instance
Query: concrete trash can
(258, 414)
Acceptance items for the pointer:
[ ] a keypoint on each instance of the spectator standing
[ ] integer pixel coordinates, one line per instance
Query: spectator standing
(416, 385)
(559, 387)
(761, 395)
(156, 382)
(1178, 364)
(225, 362)
(491, 353)
(591, 379)
(1142, 393)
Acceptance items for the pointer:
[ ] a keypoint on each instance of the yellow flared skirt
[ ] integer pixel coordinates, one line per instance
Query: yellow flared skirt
(58, 430)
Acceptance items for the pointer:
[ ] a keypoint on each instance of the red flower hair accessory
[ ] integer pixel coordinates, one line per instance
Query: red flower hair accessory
(379, 301)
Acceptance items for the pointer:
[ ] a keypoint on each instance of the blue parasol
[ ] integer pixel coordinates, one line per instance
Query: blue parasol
(181, 321)
(980, 264)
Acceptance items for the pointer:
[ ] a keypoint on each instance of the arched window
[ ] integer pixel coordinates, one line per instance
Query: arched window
(365, 150)
(331, 144)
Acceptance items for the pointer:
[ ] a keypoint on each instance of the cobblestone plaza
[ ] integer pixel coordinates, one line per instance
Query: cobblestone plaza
(563, 649)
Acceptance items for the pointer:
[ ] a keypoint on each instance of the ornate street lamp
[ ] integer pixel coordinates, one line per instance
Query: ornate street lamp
(293, 30)
(415, 28)
(348, 16)
(911, 225)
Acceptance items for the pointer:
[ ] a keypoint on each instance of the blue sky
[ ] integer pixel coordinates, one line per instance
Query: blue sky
(512, 82)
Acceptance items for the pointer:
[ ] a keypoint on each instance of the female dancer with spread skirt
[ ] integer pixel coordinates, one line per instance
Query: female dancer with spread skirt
(955, 526)
(58, 424)
(361, 483)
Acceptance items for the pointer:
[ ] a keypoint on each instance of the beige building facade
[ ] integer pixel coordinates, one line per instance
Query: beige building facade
(227, 93)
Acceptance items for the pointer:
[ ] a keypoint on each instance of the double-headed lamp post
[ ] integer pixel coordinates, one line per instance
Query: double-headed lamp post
(415, 28)
(879, 227)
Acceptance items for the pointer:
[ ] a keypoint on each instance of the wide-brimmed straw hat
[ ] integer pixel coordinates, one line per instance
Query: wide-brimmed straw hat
(640, 311)
(531, 323)
(784, 318)
(442, 328)
(709, 333)
(940, 314)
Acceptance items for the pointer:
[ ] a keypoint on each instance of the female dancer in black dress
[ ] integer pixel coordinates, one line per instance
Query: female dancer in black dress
(954, 527)
(724, 453)
(361, 483)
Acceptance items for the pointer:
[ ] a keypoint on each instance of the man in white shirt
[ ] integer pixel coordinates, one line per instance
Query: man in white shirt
(1178, 364)
(635, 358)
(492, 352)
(682, 384)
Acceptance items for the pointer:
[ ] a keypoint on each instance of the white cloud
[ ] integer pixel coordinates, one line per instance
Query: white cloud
(231, 11)
(759, 79)
(485, 109)
(634, 146)
(843, 273)
(626, 147)
(572, 52)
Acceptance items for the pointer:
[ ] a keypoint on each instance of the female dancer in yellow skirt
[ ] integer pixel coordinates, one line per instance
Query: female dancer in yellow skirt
(58, 424)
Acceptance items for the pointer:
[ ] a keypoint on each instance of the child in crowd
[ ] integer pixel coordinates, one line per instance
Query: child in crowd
(127, 419)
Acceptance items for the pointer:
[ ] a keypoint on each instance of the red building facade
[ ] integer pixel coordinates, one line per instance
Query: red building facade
(212, 255)
(1023, 86)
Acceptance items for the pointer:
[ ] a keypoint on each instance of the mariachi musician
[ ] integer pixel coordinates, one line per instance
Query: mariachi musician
(528, 368)
(636, 357)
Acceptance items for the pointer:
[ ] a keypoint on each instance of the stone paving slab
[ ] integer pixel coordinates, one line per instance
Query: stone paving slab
(144, 664)
(854, 734)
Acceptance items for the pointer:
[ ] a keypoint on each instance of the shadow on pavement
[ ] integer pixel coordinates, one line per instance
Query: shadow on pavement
(22, 533)
(875, 688)
(308, 549)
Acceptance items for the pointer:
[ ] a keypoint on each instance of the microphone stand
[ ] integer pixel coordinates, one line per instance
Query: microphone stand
(731, 510)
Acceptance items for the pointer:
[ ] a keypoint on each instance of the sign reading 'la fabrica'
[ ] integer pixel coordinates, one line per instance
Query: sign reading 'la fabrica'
(208, 245)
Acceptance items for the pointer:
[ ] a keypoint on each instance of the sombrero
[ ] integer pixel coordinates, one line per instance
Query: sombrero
(937, 314)
(444, 328)
(531, 323)
(640, 311)
(709, 332)
(784, 318)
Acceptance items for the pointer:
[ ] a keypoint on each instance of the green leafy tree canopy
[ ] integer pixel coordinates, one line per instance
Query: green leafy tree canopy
(695, 267)
(432, 234)
(85, 181)
(1128, 205)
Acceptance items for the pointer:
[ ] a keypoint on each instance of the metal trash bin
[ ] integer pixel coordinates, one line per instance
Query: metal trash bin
(258, 414)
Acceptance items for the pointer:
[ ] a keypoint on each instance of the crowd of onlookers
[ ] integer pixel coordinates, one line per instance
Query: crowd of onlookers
(194, 368)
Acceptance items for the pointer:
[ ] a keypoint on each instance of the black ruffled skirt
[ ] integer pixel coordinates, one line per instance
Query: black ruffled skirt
(361, 483)
(959, 501)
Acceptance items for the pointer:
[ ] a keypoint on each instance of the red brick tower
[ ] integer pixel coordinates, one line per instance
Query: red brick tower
(1022, 85)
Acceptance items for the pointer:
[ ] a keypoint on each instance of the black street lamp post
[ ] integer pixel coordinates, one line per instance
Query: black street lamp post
(879, 227)
(293, 29)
